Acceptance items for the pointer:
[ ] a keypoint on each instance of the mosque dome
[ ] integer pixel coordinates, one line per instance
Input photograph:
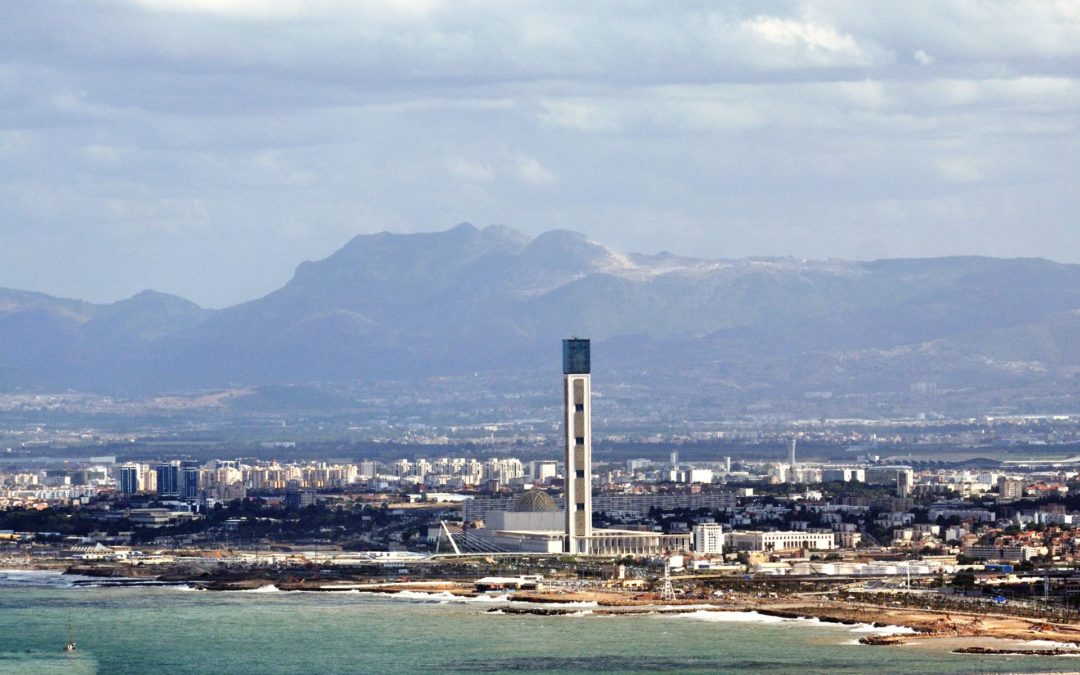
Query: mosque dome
(534, 500)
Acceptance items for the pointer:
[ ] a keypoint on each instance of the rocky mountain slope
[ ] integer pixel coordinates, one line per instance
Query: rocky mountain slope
(483, 300)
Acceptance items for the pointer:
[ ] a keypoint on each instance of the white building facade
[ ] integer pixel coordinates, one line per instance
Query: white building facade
(782, 541)
(708, 539)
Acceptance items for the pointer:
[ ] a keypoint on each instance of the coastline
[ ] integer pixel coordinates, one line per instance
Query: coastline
(974, 633)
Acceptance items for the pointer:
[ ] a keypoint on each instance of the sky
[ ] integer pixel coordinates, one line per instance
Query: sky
(207, 147)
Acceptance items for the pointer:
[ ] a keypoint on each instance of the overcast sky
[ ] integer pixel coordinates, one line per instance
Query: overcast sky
(206, 147)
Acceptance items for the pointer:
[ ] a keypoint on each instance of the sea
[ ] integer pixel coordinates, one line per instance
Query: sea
(176, 629)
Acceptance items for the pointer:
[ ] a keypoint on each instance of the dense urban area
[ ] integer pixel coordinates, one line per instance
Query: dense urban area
(997, 529)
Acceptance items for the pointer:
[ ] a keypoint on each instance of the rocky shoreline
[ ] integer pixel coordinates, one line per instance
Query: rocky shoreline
(989, 651)
(918, 633)
(923, 624)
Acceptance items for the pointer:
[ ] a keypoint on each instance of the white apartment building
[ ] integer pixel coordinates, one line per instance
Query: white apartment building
(708, 539)
(782, 541)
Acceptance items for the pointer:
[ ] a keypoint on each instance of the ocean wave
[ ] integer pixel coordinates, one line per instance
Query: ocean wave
(883, 630)
(757, 617)
(423, 595)
(41, 578)
(447, 597)
(269, 588)
(1049, 644)
(567, 605)
(728, 617)
(488, 598)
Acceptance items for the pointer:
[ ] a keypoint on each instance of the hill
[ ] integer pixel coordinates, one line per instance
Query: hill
(471, 300)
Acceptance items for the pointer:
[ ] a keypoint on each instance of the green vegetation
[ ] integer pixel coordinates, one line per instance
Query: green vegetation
(61, 520)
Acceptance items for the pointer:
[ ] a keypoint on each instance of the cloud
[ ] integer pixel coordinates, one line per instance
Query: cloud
(470, 170)
(281, 9)
(239, 8)
(534, 173)
(579, 114)
(959, 170)
(130, 129)
(794, 33)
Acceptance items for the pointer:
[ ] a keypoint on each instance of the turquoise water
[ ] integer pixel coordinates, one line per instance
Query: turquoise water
(174, 630)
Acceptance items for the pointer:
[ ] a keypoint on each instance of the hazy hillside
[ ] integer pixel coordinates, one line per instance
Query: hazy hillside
(481, 300)
(51, 343)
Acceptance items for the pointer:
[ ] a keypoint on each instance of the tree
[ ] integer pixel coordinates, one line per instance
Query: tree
(964, 580)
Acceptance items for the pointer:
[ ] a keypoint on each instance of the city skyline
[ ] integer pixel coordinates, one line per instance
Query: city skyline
(282, 284)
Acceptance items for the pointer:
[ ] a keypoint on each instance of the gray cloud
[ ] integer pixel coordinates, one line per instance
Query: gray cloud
(205, 147)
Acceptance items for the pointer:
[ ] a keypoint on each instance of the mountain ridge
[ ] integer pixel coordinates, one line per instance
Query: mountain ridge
(468, 299)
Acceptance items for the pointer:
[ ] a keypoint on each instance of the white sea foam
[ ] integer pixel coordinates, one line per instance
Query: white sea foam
(269, 588)
(757, 617)
(42, 579)
(1049, 644)
(446, 597)
(485, 598)
(883, 630)
(729, 617)
(423, 595)
(186, 587)
(580, 603)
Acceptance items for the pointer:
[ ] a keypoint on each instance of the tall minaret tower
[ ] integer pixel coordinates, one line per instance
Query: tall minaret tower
(577, 409)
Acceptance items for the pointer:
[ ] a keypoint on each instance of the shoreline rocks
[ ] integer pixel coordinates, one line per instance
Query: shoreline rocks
(1016, 652)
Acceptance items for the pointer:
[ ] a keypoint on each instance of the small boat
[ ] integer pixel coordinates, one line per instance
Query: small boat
(70, 646)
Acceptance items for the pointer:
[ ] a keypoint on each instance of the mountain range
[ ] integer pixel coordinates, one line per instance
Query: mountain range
(471, 300)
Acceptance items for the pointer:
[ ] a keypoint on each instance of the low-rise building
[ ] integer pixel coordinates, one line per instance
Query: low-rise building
(782, 541)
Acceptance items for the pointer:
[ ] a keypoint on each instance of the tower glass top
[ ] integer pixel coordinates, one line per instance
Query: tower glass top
(575, 357)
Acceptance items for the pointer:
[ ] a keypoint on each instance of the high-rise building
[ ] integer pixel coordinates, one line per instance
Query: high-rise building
(130, 479)
(168, 479)
(297, 497)
(190, 481)
(544, 469)
(148, 479)
(578, 428)
(905, 480)
(368, 469)
(1010, 489)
